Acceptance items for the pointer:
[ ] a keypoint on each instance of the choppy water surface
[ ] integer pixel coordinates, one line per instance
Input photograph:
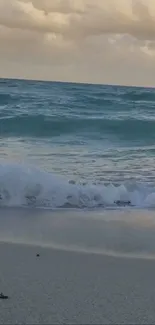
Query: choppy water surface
(75, 145)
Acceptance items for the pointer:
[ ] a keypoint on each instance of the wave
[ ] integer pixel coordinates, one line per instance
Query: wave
(44, 126)
(140, 94)
(5, 98)
(22, 185)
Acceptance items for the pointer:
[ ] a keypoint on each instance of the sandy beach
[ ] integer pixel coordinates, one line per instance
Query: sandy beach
(73, 287)
(77, 162)
(61, 287)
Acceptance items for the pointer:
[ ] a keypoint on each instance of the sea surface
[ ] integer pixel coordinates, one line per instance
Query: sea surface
(67, 145)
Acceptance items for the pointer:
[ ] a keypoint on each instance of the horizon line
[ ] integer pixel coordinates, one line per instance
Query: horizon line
(74, 82)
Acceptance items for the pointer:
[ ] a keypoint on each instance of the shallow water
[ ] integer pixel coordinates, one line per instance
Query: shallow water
(126, 233)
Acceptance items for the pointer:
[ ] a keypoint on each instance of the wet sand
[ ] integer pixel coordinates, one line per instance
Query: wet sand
(61, 287)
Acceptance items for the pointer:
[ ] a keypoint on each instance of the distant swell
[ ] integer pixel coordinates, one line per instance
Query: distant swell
(137, 95)
(24, 186)
(46, 126)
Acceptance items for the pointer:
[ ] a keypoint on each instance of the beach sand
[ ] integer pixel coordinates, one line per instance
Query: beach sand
(60, 287)
(72, 287)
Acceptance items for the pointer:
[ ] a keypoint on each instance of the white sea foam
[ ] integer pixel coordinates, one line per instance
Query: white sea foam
(22, 185)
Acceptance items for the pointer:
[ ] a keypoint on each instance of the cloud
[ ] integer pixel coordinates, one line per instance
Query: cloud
(81, 19)
(83, 40)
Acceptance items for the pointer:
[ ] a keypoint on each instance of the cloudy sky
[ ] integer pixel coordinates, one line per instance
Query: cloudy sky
(97, 41)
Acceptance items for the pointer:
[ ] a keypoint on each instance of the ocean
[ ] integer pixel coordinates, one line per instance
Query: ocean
(82, 146)
(77, 203)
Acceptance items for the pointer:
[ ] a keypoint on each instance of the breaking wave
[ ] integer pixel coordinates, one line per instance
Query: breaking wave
(22, 185)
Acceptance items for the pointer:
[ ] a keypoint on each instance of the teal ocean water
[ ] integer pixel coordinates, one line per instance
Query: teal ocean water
(76, 146)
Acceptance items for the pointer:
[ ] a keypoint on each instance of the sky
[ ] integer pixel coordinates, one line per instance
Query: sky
(94, 41)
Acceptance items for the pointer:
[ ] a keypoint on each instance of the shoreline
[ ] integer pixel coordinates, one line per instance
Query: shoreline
(79, 251)
(124, 234)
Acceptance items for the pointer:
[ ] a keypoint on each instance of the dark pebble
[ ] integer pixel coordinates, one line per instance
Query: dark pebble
(3, 296)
